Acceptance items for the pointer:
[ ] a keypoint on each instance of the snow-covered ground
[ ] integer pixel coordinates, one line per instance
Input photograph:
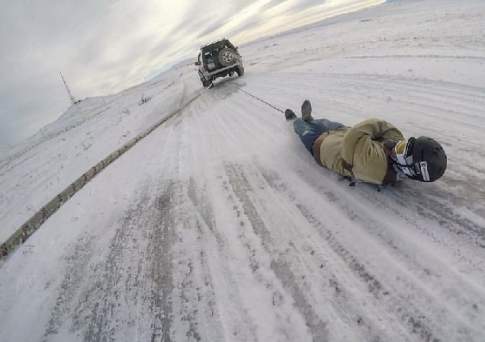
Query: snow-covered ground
(220, 226)
(35, 171)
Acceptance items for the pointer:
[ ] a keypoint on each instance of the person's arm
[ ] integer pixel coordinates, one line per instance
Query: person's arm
(364, 136)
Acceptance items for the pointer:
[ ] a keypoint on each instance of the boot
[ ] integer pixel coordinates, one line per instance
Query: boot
(289, 115)
(306, 111)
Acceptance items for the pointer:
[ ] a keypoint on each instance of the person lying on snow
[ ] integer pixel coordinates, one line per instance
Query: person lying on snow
(373, 151)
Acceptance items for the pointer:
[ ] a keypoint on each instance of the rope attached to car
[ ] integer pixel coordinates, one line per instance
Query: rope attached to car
(262, 101)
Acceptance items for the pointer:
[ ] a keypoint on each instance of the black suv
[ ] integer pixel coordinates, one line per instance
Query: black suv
(218, 59)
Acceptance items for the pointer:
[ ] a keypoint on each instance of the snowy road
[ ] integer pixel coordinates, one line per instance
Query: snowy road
(220, 226)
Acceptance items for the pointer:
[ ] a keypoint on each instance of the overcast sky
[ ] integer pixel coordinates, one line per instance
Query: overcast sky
(104, 46)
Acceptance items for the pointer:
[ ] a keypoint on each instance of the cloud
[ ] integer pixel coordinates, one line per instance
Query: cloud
(213, 27)
(105, 46)
(271, 4)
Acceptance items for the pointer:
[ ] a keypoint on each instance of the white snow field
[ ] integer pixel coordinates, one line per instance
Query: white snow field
(220, 226)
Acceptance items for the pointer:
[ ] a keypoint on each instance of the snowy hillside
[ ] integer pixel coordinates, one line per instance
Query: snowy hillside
(219, 226)
(4, 149)
(38, 169)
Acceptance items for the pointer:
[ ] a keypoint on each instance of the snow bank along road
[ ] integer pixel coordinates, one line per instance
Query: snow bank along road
(220, 226)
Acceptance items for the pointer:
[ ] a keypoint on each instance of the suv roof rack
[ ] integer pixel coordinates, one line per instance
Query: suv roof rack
(214, 42)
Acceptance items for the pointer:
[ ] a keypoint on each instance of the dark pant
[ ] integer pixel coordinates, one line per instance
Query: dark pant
(309, 131)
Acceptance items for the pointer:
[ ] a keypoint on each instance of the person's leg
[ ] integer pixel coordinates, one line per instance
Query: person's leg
(326, 125)
(307, 131)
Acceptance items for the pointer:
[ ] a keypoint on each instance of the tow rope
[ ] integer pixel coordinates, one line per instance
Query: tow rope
(262, 101)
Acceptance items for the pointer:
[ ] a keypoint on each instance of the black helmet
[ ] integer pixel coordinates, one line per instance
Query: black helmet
(429, 158)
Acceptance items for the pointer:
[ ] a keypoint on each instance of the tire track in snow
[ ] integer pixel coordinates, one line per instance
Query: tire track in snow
(229, 247)
(159, 252)
(309, 263)
(76, 266)
(203, 207)
(88, 310)
(212, 266)
(331, 272)
(429, 206)
(231, 305)
(119, 278)
(195, 312)
(281, 322)
(240, 185)
(96, 313)
(195, 300)
(417, 322)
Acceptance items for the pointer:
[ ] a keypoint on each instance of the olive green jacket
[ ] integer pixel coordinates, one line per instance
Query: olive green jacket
(359, 151)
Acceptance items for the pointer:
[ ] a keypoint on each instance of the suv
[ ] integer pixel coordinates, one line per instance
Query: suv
(218, 59)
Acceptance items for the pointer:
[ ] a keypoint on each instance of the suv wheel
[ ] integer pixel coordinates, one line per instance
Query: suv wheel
(227, 57)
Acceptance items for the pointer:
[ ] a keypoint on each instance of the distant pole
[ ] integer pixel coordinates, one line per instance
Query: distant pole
(72, 98)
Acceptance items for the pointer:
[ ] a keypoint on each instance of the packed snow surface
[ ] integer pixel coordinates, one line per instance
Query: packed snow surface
(220, 226)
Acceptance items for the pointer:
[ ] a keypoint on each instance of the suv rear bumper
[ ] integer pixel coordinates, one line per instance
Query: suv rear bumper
(222, 71)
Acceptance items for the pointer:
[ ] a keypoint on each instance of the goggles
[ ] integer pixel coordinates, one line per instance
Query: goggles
(404, 161)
